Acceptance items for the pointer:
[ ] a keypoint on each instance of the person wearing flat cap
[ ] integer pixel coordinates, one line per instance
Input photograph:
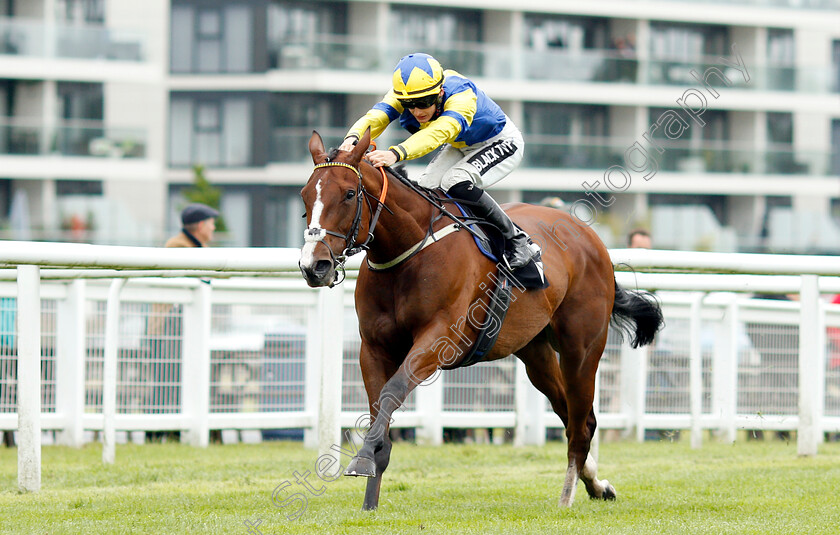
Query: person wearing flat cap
(163, 327)
(199, 224)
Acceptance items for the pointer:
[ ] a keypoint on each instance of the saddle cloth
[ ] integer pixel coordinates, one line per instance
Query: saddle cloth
(491, 243)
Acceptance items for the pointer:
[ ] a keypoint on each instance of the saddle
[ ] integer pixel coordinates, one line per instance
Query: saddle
(491, 244)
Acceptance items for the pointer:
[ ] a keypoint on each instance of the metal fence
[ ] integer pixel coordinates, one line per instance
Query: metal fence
(261, 353)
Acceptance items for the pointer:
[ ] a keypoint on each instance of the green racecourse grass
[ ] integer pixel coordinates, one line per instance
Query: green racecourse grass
(664, 487)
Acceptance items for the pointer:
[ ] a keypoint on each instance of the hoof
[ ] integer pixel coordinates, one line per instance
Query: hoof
(609, 491)
(361, 466)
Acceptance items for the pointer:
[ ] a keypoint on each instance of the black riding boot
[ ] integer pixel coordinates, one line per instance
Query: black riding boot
(518, 251)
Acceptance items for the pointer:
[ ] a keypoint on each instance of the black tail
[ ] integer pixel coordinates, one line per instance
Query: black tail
(636, 314)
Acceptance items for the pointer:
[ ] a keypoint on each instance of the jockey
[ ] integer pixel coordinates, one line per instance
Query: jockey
(481, 145)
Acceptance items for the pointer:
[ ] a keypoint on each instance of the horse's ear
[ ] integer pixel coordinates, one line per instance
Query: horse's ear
(361, 148)
(316, 148)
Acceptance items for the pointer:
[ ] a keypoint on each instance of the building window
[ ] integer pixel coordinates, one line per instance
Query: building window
(208, 132)
(78, 187)
(545, 32)
(295, 115)
(81, 106)
(781, 157)
(572, 49)
(689, 42)
(207, 40)
(79, 100)
(781, 58)
(450, 35)
(571, 136)
(697, 149)
(835, 147)
(212, 130)
(307, 34)
(676, 49)
(80, 11)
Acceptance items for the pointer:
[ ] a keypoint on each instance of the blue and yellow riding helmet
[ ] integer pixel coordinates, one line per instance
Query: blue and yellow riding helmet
(417, 75)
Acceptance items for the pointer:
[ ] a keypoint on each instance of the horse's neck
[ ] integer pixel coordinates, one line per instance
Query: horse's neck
(404, 226)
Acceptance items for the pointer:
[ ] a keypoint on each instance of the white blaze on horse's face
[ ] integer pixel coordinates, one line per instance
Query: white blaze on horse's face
(311, 239)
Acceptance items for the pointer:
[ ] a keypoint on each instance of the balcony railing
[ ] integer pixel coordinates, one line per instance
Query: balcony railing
(794, 4)
(343, 52)
(71, 138)
(761, 77)
(35, 39)
(288, 145)
(678, 156)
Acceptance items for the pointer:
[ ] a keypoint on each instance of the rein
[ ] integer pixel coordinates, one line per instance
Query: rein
(318, 234)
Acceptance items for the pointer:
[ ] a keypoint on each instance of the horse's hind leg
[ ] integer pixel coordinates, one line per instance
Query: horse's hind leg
(580, 351)
(545, 373)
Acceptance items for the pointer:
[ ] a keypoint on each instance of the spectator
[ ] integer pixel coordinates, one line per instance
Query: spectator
(833, 385)
(164, 325)
(553, 202)
(834, 340)
(639, 239)
(199, 222)
(663, 375)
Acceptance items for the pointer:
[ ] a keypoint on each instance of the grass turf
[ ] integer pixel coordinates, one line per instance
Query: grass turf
(663, 487)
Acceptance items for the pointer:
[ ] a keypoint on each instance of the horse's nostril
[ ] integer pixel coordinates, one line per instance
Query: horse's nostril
(322, 267)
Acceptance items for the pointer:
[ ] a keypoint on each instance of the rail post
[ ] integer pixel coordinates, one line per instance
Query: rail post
(29, 378)
(429, 396)
(109, 371)
(811, 367)
(634, 379)
(695, 370)
(195, 359)
(530, 410)
(70, 363)
(331, 325)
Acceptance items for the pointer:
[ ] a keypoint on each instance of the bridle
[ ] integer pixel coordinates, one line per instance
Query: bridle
(351, 247)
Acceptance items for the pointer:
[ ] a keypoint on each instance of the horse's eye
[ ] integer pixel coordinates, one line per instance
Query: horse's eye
(304, 215)
(350, 194)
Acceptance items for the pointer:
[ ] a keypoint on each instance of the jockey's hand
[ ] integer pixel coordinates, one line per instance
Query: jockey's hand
(380, 158)
(348, 144)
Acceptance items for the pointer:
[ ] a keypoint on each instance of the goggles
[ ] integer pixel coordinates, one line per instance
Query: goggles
(420, 102)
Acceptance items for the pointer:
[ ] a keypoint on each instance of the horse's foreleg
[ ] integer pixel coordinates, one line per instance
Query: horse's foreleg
(372, 458)
(374, 455)
(376, 370)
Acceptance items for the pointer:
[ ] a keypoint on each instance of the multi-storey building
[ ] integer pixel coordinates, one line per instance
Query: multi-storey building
(83, 101)
(716, 124)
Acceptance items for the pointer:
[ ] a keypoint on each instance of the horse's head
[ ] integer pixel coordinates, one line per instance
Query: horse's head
(333, 201)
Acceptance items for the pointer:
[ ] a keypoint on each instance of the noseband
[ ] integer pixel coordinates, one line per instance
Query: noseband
(351, 247)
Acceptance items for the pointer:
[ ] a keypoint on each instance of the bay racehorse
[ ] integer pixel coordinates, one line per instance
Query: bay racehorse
(418, 306)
